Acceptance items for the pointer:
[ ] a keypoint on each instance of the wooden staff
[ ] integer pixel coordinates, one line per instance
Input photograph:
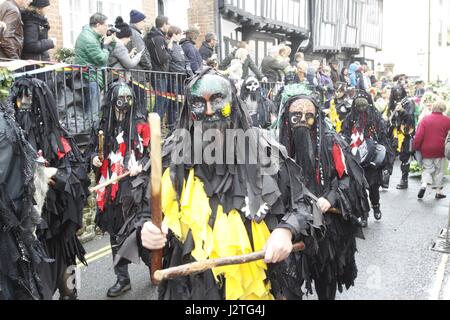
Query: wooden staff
(109, 182)
(155, 186)
(101, 142)
(202, 266)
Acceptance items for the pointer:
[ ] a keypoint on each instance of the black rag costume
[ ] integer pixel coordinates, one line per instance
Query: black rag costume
(366, 131)
(22, 256)
(62, 214)
(402, 130)
(258, 106)
(329, 171)
(127, 138)
(217, 210)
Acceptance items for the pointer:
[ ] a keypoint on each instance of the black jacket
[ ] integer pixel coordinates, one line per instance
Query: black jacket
(248, 64)
(36, 42)
(192, 54)
(178, 62)
(157, 47)
(206, 51)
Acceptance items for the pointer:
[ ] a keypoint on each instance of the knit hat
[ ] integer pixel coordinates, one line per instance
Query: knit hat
(125, 29)
(40, 3)
(136, 16)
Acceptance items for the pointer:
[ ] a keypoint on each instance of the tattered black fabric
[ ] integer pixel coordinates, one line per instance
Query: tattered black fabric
(21, 254)
(228, 186)
(332, 264)
(62, 214)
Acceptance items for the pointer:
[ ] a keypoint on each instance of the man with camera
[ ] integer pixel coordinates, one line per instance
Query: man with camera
(92, 48)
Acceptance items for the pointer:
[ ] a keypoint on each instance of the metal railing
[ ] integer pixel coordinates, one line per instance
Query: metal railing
(79, 92)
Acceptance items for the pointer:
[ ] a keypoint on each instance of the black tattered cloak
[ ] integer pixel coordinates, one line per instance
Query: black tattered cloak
(62, 214)
(334, 263)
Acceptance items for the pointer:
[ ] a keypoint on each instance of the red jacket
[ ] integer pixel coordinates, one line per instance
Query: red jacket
(431, 135)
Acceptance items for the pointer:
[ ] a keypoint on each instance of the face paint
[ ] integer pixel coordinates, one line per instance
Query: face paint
(302, 113)
(211, 99)
(252, 84)
(362, 104)
(24, 101)
(124, 101)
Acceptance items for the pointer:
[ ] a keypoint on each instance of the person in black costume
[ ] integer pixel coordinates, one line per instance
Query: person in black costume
(22, 256)
(259, 107)
(334, 177)
(127, 138)
(366, 131)
(62, 213)
(402, 129)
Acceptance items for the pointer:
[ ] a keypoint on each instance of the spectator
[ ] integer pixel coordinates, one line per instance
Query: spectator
(248, 64)
(208, 47)
(137, 24)
(272, 66)
(120, 57)
(313, 75)
(191, 52)
(299, 57)
(334, 72)
(160, 56)
(91, 51)
(344, 77)
(284, 55)
(325, 82)
(12, 41)
(178, 64)
(430, 141)
(157, 44)
(35, 31)
(302, 69)
(420, 89)
(235, 70)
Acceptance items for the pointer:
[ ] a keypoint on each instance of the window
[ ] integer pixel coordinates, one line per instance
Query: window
(329, 11)
(76, 14)
(352, 13)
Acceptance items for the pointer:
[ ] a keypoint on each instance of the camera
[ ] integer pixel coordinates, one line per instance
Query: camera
(112, 30)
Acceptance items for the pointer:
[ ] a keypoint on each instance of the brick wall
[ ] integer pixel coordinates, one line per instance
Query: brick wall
(150, 10)
(55, 21)
(202, 12)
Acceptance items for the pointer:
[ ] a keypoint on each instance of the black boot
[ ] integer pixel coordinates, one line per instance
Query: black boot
(377, 212)
(364, 220)
(405, 174)
(119, 288)
(386, 179)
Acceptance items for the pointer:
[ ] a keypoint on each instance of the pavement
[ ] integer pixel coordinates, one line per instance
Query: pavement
(395, 261)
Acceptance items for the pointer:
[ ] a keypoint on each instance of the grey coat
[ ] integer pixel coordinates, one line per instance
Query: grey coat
(120, 57)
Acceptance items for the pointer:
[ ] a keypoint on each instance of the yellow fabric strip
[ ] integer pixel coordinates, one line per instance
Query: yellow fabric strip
(228, 238)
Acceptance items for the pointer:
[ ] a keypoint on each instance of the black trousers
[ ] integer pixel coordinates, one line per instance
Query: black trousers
(121, 269)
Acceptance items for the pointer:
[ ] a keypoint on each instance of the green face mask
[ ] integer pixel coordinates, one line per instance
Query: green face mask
(211, 99)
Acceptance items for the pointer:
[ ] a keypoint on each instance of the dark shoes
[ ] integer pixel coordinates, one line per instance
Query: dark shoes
(440, 196)
(421, 193)
(377, 212)
(119, 288)
(364, 222)
(403, 185)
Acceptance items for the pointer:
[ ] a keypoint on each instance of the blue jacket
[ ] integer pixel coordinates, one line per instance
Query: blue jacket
(192, 54)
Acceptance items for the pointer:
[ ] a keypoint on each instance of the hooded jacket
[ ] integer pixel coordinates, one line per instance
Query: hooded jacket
(206, 51)
(157, 48)
(192, 54)
(36, 42)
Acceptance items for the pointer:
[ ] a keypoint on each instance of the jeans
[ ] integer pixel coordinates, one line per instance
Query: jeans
(160, 86)
(93, 102)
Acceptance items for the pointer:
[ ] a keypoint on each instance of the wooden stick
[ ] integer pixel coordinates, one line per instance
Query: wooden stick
(101, 142)
(155, 181)
(202, 266)
(109, 182)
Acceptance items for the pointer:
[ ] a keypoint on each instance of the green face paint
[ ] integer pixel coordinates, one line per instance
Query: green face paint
(211, 99)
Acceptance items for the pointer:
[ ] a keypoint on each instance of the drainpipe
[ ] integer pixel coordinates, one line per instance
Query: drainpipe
(219, 26)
